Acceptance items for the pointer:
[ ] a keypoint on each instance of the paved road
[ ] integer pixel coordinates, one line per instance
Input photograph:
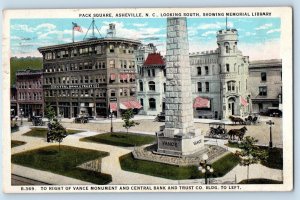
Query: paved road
(20, 180)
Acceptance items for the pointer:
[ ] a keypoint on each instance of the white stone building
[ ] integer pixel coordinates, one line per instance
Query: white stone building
(220, 79)
(151, 85)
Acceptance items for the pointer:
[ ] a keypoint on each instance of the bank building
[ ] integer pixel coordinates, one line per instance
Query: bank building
(95, 76)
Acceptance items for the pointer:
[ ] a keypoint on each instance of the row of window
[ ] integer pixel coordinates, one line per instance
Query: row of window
(152, 103)
(75, 66)
(227, 68)
(29, 84)
(76, 93)
(99, 49)
(123, 92)
(75, 80)
(151, 86)
(200, 87)
(30, 96)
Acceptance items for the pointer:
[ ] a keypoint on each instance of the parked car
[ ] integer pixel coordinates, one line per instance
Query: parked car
(272, 112)
(161, 117)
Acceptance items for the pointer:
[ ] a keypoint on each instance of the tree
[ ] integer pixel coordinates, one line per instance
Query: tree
(49, 112)
(56, 132)
(250, 153)
(126, 116)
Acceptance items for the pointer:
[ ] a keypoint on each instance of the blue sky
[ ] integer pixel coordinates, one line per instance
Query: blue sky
(259, 38)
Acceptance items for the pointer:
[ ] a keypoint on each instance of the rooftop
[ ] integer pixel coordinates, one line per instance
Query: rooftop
(154, 59)
(265, 63)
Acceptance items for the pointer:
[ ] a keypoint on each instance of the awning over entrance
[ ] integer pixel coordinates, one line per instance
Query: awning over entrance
(113, 106)
(244, 102)
(201, 102)
(132, 104)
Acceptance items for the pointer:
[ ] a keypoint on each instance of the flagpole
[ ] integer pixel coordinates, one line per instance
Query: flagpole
(73, 33)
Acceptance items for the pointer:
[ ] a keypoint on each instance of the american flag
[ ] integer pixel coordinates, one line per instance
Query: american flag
(244, 102)
(76, 27)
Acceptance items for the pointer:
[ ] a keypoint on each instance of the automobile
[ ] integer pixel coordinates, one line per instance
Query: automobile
(81, 119)
(272, 112)
(37, 121)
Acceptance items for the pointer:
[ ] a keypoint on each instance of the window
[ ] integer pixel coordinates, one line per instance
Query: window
(165, 72)
(199, 87)
(112, 63)
(198, 70)
(149, 72)
(141, 86)
(227, 68)
(112, 93)
(227, 48)
(152, 104)
(206, 70)
(164, 87)
(152, 85)
(153, 72)
(142, 102)
(207, 86)
(263, 91)
(230, 86)
(263, 76)
(111, 48)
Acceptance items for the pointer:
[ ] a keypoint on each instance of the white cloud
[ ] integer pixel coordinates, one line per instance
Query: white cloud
(250, 33)
(207, 33)
(140, 25)
(30, 29)
(263, 27)
(217, 25)
(273, 31)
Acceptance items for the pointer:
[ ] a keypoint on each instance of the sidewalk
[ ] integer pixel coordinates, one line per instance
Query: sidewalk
(111, 165)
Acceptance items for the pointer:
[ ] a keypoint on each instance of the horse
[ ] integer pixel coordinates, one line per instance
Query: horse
(236, 120)
(237, 132)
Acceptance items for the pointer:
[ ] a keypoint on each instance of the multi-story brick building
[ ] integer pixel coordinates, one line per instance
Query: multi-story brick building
(265, 84)
(29, 93)
(151, 85)
(91, 76)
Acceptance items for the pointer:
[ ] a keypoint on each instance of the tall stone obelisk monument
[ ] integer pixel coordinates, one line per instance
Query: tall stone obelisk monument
(179, 136)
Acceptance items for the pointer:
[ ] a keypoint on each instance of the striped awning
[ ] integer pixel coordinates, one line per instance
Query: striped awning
(123, 76)
(112, 77)
(201, 102)
(132, 104)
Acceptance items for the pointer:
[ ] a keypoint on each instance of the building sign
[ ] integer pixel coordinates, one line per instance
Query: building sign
(173, 144)
(75, 86)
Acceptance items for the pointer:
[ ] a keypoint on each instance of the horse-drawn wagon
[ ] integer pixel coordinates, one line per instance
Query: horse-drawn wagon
(217, 130)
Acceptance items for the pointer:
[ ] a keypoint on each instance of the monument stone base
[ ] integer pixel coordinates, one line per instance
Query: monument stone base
(172, 142)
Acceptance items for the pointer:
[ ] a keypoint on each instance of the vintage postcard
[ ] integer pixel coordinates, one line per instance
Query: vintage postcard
(148, 100)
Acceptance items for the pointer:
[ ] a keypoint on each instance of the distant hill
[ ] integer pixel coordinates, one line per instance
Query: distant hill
(23, 63)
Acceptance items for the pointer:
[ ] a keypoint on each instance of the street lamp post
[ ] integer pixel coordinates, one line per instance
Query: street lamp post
(111, 122)
(270, 123)
(21, 116)
(204, 167)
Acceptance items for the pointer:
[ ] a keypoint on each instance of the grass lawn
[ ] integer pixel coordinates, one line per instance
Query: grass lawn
(260, 181)
(275, 159)
(42, 132)
(64, 162)
(121, 139)
(15, 143)
(221, 167)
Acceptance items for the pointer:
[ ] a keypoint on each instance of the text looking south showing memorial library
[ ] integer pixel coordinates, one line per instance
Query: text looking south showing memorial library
(100, 75)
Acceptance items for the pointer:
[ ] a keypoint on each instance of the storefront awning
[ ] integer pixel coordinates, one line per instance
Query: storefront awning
(244, 102)
(113, 106)
(123, 76)
(112, 77)
(132, 104)
(201, 103)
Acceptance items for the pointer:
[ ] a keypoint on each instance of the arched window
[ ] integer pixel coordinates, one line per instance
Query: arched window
(152, 103)
(226, 44)
(231, 86)
(151, 85)
(141, 85)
